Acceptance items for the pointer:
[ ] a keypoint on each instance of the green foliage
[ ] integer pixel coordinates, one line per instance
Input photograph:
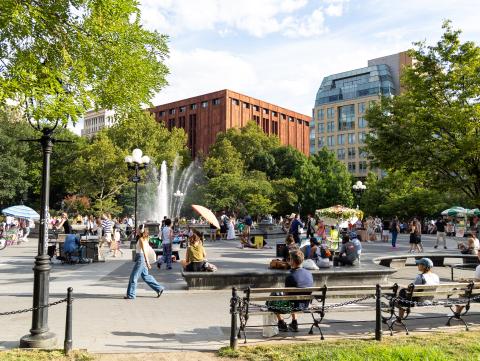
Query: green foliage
(324, 181)
(433, 127)
(139, 129)
(250, 172)
(61, 58)
(406, 195)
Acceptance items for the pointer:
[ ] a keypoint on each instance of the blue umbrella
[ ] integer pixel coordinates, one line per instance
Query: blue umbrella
(21, 212)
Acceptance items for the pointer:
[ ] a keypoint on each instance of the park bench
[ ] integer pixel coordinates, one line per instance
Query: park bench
(446, 295)
(438, 259)
(263, 301)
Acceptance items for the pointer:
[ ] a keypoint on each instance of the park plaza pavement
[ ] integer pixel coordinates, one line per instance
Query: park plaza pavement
(179, 320)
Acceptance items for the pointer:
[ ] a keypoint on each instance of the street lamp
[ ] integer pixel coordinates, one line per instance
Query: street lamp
(359, 188)
(178, 194)
(137, 161)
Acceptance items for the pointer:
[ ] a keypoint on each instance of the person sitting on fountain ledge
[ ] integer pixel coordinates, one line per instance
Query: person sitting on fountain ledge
(196, 256)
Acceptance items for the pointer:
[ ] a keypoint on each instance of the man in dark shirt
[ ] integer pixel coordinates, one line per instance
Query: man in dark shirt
(301, 278)
(295, 229)
(440, 224)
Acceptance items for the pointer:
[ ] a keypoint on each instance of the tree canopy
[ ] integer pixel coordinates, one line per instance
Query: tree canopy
(433, 127)
(60, 58)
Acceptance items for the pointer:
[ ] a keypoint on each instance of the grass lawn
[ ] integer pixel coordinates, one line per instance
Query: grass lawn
(461, 346)
(41, 355)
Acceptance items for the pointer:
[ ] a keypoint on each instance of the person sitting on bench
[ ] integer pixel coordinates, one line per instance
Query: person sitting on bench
(196, 256)
(301, 278)
(425, 277)
(472, 246)
(72, 245)
(348, 253)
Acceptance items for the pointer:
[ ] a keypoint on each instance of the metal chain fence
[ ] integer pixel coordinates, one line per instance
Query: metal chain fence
(33, 308)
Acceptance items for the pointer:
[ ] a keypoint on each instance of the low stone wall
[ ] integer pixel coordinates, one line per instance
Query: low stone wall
(334, 276)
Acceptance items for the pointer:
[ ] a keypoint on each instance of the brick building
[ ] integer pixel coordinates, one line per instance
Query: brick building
(204, 116)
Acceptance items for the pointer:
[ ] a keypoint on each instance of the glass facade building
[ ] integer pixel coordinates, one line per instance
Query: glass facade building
(341, 103)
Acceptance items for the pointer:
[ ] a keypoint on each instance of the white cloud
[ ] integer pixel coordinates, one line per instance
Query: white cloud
(256, 18)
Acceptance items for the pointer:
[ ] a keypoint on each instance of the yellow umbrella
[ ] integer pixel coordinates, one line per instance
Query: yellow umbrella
(207, 214)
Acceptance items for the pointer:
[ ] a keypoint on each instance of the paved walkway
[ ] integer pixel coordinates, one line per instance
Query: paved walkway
(180, 320)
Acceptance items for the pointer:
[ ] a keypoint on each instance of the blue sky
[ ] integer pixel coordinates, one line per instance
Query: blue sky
(280, 50)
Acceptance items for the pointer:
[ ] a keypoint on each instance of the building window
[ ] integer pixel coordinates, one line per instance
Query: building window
(265, 125)
(246, 105)
(330, 141)
(171, 124)
(361, 137)
(330, 126)
(182, 109)
(275, 128)
(204, 104)
(307, 124)
(361, 107)
(193, 106)
(172, 111)
(346, 117)
(351, 153)
(330, 113)
(362, 123)
(284, 116)
(290, 119)
(181, 121)
(351, 167)
(362, 167)
(256, 108)
(341, 153)
(256, 118)
(320, 127)
(321, 142)
(161, 113)
(275, 114)
(362, 153)
(320, 114)
(234, 102)
(217, 101)
(351, 138)
(265, 111)
(341, 139)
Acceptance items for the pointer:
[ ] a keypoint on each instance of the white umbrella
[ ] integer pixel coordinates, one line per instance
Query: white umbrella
(21, 212)
(455, 212)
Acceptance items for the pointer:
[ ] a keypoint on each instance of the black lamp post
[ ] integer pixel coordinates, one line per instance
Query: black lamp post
(359, 188)
(39, 336)
(137, 161)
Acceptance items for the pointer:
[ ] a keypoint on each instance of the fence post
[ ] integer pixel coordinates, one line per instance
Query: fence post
(378, 313)
(233, 312)
(67, 344)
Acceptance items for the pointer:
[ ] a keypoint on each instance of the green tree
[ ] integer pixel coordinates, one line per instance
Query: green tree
(434, 125)
(285, 195)
(323, 181)
(101, 173)
(61, 58)
(223, 158)
(139, 129)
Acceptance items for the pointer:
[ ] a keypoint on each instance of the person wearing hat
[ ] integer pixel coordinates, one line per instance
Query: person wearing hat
(425, 277)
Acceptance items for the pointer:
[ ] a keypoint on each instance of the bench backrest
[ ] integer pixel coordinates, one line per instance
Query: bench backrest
(439, 291)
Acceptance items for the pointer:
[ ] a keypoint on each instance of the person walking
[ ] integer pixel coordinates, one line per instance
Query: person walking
(440, 224)
(295, 228)
(231, 229)
(310, 226)
(141, 267)
(415, 236)
(167, 239)
(394, 229)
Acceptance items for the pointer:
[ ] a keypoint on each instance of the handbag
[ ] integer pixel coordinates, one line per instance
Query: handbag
(150, 254)
(279, 264)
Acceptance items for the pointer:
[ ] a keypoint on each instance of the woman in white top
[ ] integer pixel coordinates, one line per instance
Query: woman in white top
(231, 229)
(472, 246)
(141, 267)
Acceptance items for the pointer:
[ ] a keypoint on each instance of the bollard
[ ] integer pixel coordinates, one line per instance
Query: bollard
(233, 312)
(67, 344)
(378, 313)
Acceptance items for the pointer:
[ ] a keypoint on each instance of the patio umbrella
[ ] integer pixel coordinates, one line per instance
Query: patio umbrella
(473, 212)
(339, 212)
(455, 212)
(207, 214)
(21, 212)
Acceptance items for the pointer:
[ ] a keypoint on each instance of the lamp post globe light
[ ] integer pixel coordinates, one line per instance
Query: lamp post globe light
(137, 161)
(359, 188)
(178, 194)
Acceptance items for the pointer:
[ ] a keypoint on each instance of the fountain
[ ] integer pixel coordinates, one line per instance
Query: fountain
(171, 190)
